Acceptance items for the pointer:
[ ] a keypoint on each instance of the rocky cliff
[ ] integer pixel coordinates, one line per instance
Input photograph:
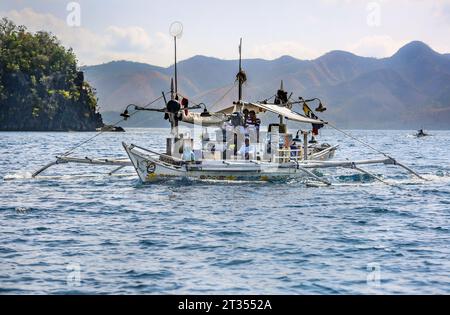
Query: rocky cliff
(40, 86)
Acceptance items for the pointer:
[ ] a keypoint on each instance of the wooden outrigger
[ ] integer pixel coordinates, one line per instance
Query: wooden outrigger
(120, 163)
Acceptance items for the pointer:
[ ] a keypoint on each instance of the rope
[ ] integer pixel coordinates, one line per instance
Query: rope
(223, 96)
(394, 161)
(102, 132)
(216, 102)
(360, 141)
(267, 99)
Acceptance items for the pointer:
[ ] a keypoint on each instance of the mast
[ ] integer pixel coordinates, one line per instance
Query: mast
(176, 72)
(176, 30)
(240, 71)
(280, 116)
(172, 116)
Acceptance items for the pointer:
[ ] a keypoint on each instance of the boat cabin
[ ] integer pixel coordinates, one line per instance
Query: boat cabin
(237, 136)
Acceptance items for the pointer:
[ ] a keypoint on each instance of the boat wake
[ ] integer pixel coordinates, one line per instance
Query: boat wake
(407, 181)
(335, 180)
(28, 175)
(18, 176)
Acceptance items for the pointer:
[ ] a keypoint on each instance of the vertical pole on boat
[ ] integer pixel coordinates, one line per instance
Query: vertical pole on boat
(280, 116)
(240, 71)
(173, 120)
(171, 142)
(176, 30)
(275, 144)
(238, 106)
(176, 72)
(305, 145)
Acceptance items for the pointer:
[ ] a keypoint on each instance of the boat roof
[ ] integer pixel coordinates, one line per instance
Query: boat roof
(273, 108)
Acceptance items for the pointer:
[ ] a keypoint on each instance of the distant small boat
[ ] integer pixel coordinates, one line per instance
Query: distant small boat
(421, 134)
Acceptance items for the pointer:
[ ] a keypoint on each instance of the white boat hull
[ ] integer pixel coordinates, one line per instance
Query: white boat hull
(150, 168)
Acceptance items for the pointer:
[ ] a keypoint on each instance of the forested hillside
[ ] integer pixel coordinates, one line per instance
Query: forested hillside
(40, 86)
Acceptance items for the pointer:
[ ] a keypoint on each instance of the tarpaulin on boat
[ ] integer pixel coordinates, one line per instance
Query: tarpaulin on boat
(216, 119)
(286, 112)
(231, 109)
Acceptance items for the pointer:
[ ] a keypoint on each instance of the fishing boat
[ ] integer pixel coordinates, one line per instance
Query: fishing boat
(236, 150)
(421, 133)
(233, 145)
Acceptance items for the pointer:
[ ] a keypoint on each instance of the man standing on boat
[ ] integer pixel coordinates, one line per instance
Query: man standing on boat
(247, 150)
(253, 124)
(188, 154)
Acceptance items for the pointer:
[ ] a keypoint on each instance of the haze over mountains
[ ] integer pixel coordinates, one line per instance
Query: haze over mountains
(409, 90)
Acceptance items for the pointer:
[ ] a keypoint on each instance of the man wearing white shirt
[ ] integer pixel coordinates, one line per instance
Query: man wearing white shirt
(247, 150)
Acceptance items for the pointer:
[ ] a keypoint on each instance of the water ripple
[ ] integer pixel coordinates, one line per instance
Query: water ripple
(186, 236)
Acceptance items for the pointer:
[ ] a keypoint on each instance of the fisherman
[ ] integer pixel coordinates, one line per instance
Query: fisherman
(188, 153)
(246, 114)
(247, 150)
(254, 122)
(315, 127)
(243, 129)
(294, 150)
(250, 127)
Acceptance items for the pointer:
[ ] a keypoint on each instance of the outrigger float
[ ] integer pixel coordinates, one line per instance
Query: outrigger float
(237, 149)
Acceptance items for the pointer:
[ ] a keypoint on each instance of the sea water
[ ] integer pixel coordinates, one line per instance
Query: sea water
(97, 234)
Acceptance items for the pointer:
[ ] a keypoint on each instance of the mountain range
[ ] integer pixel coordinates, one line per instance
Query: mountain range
(408, 90)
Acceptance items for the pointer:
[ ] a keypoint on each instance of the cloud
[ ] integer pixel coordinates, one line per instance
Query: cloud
(338, 2)
(135, 43)
(76, 37)
(114, 43)
(379, 46)
(274, 50)
(442, 10)
(128, 38)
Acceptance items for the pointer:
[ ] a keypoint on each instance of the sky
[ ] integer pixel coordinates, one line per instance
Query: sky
(100, 31)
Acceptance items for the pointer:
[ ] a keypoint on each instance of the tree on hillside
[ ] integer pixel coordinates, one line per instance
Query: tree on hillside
(40, 86)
